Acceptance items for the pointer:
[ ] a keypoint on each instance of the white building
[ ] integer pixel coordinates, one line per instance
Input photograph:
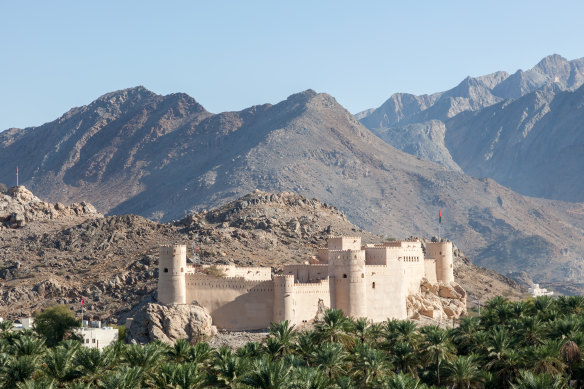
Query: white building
(537, 291)
(98, 338)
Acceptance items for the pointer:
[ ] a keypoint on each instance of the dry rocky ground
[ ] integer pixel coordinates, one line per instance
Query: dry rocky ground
(112, 261)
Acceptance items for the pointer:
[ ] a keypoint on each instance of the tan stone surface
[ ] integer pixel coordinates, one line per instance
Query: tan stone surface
(170, 323)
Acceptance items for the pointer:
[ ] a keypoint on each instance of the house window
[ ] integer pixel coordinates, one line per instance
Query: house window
(86, 340)
(92, 340)
(166, 270)
(373, 285)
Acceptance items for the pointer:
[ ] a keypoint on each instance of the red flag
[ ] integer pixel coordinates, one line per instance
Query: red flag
(81, 301)
(439, 216)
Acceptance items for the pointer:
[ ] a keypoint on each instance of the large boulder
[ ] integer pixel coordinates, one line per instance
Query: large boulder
(437, 301)
(168, 323)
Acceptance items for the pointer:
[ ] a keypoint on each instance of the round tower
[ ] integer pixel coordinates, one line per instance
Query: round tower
(442, 252)
(284, 298)
(172, 266)
(348, 268)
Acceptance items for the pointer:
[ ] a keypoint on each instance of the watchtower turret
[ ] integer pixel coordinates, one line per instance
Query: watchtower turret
(347, 275)
(442, 252)
(171, 274)
(284, 298)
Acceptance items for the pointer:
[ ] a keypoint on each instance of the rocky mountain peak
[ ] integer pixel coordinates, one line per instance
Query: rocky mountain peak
(552, 64)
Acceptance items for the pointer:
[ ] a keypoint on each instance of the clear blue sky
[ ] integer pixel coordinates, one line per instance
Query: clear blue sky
(55, 55)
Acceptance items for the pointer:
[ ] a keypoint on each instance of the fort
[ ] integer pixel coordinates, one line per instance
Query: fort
(372, 281)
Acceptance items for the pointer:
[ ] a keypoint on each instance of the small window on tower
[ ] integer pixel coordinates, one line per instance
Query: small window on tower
(344, 276)
(362, 275)
(166, 270)
(373, 285)
(182, 270)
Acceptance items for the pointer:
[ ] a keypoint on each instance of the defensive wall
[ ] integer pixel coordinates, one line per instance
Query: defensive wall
(370, 281)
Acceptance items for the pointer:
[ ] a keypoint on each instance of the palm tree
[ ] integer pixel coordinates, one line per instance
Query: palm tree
(330, 357)
(17, 369)
(359, 327)
(6, 325)
(178, 375)
(529, 380)
(180, 350)
(466, 333)
(402, 381)
(307, 378)
(284, 334)
(92, 363)
(571, 355)
(463, 372)
(405, 358)
(228, 367)
(145, 357)
(268, 374)
(546, 358)
(201, 354)
(36, 384)
(437, 347)
(29, 345)
(124, 378)
(531, 330)
(369, 364)
(334, 326)
(59, 363)
(306, 343)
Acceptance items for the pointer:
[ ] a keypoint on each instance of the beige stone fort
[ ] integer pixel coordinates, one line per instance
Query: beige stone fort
(371, 281)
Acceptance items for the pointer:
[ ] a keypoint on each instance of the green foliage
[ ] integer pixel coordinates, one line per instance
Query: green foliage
(54, 323)
(529, 344)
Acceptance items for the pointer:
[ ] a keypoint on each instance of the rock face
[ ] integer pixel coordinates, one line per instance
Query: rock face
(170, 323)
(437, 301)
(522, 130)
(18, 206)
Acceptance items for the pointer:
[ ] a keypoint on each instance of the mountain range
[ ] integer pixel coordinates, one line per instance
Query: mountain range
(523, 130)
(162, 157)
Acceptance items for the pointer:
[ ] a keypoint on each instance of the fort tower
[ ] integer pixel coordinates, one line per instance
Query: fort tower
(171, 278)
(442, 252)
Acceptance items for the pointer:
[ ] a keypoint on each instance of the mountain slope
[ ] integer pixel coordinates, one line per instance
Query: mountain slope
(391, 120)
(171, 156)
(534, 145)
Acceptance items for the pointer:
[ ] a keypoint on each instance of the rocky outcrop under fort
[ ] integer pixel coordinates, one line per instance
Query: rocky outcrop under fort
(170, 323)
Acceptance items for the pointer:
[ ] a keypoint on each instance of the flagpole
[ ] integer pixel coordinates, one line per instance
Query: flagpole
(16, 175)
(81, 312)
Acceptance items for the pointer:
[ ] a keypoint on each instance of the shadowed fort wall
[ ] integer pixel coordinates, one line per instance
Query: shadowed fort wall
(234, 303)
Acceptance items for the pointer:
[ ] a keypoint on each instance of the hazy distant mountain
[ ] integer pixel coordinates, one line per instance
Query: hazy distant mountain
(133, 151)
(534, 145)
(472, 114)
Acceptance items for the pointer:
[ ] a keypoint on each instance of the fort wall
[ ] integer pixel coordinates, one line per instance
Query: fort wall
(344, 243)
(306, 297)
(430, 270)
(234, 303)
(307, 273)
(386, 290)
